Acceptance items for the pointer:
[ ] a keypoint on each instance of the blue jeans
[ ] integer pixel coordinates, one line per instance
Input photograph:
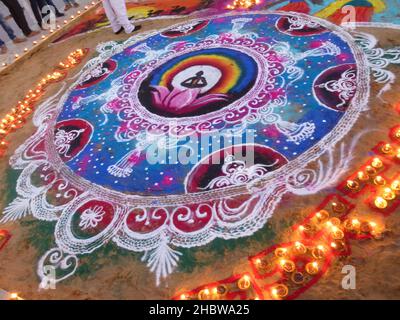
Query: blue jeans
(7, 29)
(71, 2)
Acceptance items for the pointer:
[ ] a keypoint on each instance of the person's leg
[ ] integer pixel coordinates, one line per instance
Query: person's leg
(18, 14)
(26, 6)
(44, 3)
(68, 5)
(36, 12)
(71, 2)
(111, 15)
(51, 4)
(3, 47)
(41, 4)
(7, 28)
(10, 31)
(119, 8)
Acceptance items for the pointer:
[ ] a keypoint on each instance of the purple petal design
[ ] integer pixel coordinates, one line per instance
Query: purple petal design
(159, 94)
(210, 98)
(183, 99)
(178, 99)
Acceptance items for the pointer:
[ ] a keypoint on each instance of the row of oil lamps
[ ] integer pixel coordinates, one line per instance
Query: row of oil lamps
(16, 118)
(18, 115)
(242, 4)
(284, 257)
(219, 291)
(334, 228)
(387, 192)
(51, 31)
(337, 227)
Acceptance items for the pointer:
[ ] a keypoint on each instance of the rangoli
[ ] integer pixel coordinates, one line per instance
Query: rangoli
(121, 156)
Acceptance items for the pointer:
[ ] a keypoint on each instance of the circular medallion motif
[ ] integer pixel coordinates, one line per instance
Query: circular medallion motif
(71, 137)
(228, 170)
(335, 87)
(91, 219)
(299, 26)
(185, 30)
(97, 74)
(199, 82)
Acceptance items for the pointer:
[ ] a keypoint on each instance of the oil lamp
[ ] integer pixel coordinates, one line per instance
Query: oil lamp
(352, 185)
(280, 252)
(338, 207)
(322, 215)
(366, 227)
(244, 283)
(279, 291)
(397, 134)
(312, 268)
(395, 185)
(297, 277)
(337, 233)
(287, 265)
(370, 170)
(380, 203)
(204, 294)
(318, 252)
(377, 163)
(338, 245)
(299, 248)
(362, 176)
(388, 194)
(221, 289)
(183, 296)
(387, 148)
(380, 181)
(14, 296)
(263, 265)
(333, 222)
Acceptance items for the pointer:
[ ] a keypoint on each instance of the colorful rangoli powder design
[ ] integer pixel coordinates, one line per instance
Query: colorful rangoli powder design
(344, 11)
(104, 165)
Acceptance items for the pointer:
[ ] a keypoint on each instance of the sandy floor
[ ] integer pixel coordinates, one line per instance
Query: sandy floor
(112, 273)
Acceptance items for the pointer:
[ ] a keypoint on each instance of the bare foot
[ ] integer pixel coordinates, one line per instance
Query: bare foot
(33, 33)
(67, 7)
(19, 40)
(3, 49)
(76, 5)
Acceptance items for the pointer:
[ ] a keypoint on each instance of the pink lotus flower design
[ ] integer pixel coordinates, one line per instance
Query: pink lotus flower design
(180, 101)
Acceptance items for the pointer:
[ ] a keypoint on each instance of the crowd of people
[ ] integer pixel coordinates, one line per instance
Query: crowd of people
(115, 10)
(18, 13)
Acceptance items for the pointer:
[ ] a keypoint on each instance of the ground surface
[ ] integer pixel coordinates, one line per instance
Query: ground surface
(112, 273)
